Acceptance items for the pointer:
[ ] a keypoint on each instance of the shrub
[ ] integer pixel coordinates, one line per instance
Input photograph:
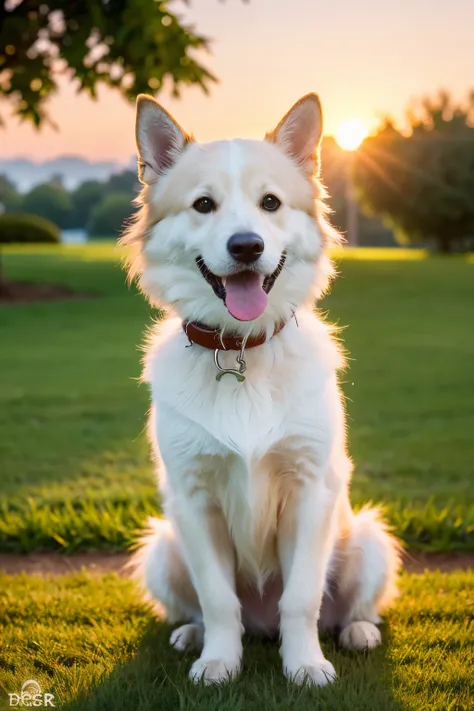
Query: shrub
(16, 227)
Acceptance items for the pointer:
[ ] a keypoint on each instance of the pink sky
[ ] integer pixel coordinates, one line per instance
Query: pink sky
(364, 58)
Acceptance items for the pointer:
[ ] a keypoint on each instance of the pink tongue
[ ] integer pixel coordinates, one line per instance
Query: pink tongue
(245, 298)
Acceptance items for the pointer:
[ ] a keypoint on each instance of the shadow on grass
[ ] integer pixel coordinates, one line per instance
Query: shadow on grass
(156, 678)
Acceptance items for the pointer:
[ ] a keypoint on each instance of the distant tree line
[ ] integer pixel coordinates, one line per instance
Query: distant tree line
(98, 207)
(414, 188)
(101, 208)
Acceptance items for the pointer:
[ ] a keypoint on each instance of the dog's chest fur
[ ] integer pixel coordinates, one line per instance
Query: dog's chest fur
(241, 442)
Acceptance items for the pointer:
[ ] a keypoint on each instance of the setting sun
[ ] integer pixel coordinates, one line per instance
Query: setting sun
(350, 134)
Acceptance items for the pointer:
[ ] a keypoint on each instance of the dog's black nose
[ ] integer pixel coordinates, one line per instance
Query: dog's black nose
(245, 247)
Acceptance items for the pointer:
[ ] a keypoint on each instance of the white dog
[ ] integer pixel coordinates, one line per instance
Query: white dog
(247, 421)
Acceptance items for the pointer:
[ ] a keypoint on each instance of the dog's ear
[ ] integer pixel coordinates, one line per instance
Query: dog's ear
(160, 139)
(299, 132)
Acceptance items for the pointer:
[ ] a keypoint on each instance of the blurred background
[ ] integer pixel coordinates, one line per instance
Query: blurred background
(397, 75)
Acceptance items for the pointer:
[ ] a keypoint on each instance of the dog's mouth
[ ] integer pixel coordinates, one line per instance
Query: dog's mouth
(245, 293)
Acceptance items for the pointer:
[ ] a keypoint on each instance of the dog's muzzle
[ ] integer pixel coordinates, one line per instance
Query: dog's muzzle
(218, 285)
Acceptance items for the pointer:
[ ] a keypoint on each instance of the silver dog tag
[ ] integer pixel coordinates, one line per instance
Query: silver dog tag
(239, 374)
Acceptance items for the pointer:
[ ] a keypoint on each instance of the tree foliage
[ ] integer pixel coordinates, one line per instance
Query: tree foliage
(87, 196)
(109, 215)
(126, 180)
(335, 173)
(75, 209)
(84, 199)
(131, 45)
(422, 183)
(9, 195)
(50, 201)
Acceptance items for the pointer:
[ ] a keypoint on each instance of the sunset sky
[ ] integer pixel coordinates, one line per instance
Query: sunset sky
(364, 58)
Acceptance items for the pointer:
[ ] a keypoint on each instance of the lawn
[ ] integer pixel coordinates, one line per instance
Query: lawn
(91, 643)
(74, 465)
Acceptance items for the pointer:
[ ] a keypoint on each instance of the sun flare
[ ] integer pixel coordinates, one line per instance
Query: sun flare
(351, 133)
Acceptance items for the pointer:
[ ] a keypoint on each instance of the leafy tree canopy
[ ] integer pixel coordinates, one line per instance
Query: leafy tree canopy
(51, 202)
(422, 183)
(126, 180)
(107, 218)
(92, 192)
(9, 196)
(131, 45)
(84, 198)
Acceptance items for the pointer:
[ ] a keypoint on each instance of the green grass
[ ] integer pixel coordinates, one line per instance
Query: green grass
(74, 466)
(91, 642)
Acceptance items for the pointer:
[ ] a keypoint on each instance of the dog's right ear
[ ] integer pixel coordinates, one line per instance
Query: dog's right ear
(160, 139)
(299, 132)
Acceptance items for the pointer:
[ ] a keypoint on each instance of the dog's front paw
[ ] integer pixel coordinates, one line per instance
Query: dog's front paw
(214, 671)
(360, 636)
(318, 673)
(187, 637)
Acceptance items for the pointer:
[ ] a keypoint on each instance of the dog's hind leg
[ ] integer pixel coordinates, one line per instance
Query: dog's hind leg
(160, 569)
(366, 564)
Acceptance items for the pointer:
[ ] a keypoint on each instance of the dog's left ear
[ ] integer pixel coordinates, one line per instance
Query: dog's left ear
(299, 132)
(160, 139)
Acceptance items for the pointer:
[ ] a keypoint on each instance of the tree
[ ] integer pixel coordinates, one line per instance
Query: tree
(335, 163)
(422, 183)
(334, 172)
(84, 199)
(126, 180)
(90, 193)
(130, 45)
(51, 202)
(9, 195)
(108, 216)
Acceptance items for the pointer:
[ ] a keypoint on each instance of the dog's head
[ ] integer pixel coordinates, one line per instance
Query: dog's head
(230, 233)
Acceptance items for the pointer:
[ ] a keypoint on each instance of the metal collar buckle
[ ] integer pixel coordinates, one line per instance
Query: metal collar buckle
(239, 374)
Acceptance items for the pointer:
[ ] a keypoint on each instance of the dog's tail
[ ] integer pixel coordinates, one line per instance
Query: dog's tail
(371, 564)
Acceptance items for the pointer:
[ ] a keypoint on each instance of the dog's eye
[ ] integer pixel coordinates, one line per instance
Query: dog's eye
(270, 202)
(204, 205)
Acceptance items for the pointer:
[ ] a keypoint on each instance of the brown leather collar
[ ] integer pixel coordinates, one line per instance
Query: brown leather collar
(211, 338)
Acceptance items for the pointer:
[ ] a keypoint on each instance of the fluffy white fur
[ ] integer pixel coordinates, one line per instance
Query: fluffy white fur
(258, 532)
